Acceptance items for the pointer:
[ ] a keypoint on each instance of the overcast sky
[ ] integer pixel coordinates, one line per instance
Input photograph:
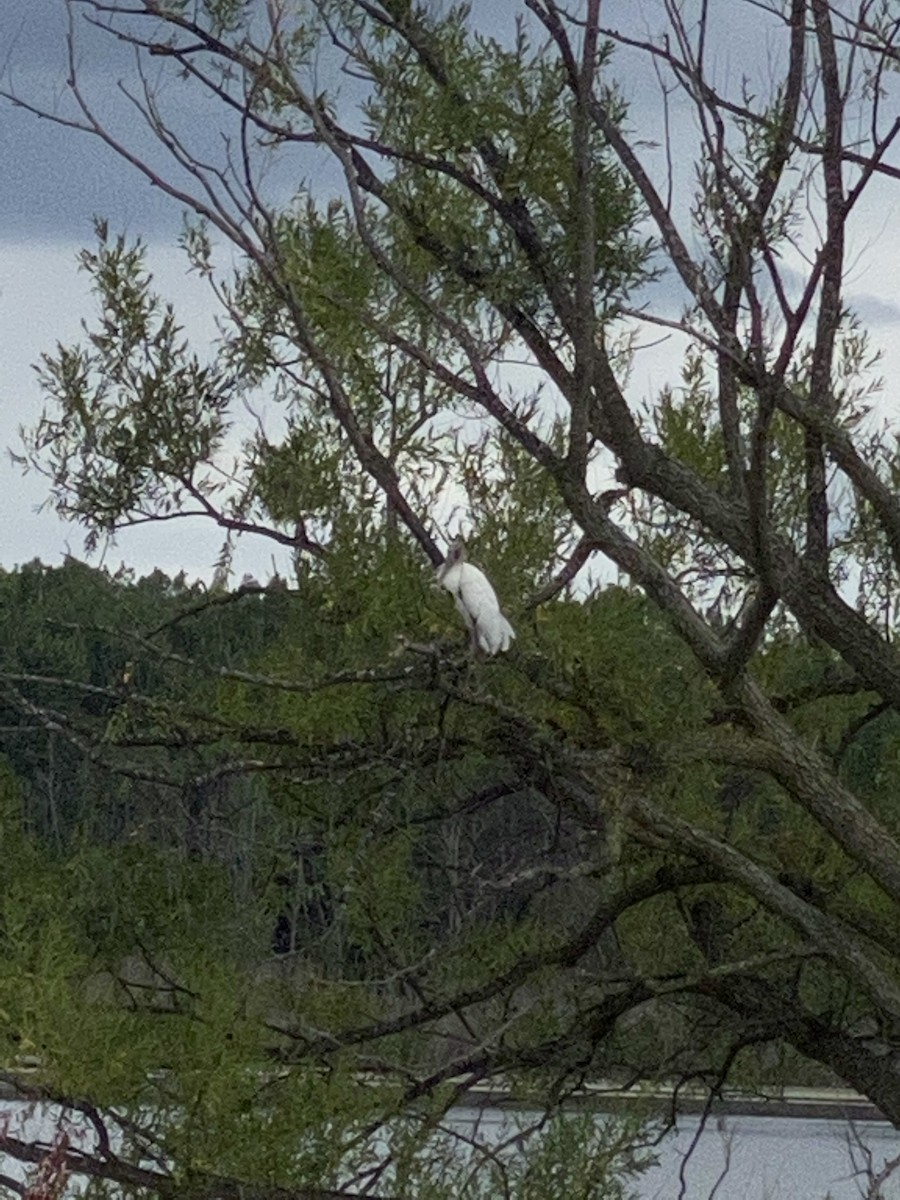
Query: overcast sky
(53, 181)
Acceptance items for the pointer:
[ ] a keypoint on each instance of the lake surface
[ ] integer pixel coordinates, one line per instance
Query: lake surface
(734, 1158)
(758, 1158)
(775, 1158)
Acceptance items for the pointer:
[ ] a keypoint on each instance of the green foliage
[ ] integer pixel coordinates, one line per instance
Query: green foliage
(573, 1155)
(508, 106)
(153, 979)
(135, 412)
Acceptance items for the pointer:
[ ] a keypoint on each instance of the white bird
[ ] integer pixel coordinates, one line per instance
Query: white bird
(476, 601)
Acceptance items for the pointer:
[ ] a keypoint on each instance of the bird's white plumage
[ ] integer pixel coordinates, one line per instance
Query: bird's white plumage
(477, 603)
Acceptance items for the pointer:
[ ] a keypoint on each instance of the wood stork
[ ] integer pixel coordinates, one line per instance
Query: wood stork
(476, 601)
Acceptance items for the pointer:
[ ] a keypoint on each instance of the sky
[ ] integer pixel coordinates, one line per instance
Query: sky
(53, 181)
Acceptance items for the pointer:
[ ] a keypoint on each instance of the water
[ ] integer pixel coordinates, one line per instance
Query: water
(734, 1158)
(756, 1158)
(774, 1158)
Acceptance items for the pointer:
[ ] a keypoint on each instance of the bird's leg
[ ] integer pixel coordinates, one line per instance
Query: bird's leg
(471, 658)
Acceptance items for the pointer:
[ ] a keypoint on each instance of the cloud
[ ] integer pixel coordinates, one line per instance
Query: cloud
(873, 310)
(55, 179)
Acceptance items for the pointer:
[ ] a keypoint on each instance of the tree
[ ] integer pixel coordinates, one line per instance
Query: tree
(447, 324)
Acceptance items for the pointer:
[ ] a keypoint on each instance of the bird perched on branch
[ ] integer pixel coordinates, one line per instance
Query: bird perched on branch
(476, 601)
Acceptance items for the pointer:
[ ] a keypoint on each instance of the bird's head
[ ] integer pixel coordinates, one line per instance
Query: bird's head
(456, 553)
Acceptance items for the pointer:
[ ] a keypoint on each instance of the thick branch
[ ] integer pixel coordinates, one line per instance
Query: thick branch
(827, 933)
